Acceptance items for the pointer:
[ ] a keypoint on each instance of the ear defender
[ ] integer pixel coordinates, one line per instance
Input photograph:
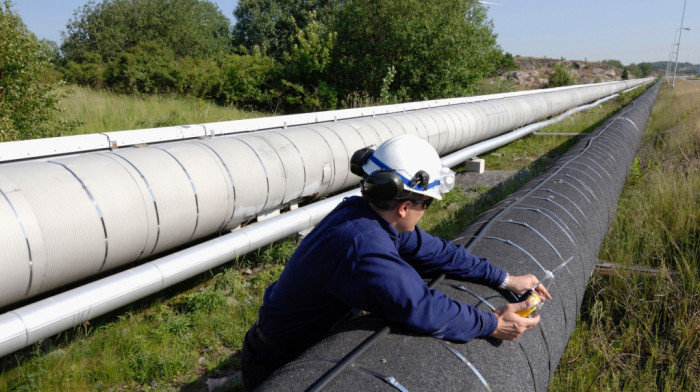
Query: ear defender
(359, 158)
(382, 185)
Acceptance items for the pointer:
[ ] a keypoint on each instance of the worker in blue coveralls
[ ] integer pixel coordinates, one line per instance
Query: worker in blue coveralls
(368, 254)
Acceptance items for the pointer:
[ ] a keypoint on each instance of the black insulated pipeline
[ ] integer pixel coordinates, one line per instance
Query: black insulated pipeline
(563, 213)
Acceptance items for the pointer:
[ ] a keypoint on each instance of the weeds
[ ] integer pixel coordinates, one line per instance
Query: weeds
(93, 111)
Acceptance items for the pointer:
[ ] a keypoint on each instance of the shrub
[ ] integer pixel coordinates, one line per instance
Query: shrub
(248, 81)
(147, 68)
(199, 78)
(561, 77)
(90, 72)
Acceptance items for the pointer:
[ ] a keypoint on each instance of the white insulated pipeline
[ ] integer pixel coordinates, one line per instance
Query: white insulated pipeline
(76, 144)
(69, 218)
(31, 323)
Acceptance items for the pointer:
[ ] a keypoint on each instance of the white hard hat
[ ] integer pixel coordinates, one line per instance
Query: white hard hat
(417, 164)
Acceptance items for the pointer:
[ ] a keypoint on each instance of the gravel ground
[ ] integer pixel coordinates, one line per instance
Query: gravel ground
(468, 182)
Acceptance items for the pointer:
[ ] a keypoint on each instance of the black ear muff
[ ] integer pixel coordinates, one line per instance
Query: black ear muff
(382, 185)
(359, 158)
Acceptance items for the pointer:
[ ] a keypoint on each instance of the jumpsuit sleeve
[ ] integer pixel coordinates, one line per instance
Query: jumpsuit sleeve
(431, 255)
(383, 283)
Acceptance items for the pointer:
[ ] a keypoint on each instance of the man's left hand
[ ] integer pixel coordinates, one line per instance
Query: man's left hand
(522, 283)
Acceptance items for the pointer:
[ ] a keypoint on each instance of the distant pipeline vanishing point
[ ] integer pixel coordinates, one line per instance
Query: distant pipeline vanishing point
(563, 213)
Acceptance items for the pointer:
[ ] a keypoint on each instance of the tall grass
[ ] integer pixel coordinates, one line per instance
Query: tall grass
(100, 111)
(641, 331)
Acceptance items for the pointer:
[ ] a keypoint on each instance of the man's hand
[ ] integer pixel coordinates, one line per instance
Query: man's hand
(522, 283)
(510, 325)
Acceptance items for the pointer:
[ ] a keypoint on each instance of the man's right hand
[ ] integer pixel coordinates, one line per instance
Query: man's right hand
(510, 325)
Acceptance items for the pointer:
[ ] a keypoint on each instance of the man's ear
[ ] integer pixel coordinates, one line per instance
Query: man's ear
(402, 208)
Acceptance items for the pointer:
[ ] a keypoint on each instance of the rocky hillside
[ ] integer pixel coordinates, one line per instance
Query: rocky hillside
(535, 72)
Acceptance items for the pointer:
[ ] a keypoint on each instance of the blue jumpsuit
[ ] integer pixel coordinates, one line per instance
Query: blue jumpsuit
(354, 260)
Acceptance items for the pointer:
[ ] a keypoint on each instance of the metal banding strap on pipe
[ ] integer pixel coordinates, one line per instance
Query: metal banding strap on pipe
(566, 231)
(97, 207)
(26, 238)
(466, 362)
(233, 185)
(262, 164)
(480, 298)
(153, 197)
(284, 168)
(194, 188)
(511, 243)
(387, 379)
(525, 224)
(301, 156)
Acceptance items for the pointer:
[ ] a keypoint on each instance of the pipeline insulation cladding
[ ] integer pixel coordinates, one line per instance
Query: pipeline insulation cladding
(67, 218)
(563, 213)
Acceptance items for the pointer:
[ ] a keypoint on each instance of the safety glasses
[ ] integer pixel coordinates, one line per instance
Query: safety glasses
(425, 202)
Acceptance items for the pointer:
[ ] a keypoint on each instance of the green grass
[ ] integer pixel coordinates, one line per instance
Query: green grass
(99, 111)
(177, 339)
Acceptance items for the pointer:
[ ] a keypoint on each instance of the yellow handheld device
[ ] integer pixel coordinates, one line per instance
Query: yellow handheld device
(533, 300)
(533, 303)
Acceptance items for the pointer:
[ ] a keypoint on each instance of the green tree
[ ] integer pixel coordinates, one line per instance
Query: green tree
(635, 70)
(184, 27)
(144, 68)
(248, 81)
(26, 103)
(304, 68)
(646, 69)
(269, 24)
(431, 49)
(614, 63)
(625, 74)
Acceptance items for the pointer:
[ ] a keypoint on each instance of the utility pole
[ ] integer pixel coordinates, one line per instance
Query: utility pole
(673, 85)
(672, 52)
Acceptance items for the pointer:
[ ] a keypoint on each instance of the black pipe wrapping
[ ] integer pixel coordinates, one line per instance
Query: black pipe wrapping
(563, 213)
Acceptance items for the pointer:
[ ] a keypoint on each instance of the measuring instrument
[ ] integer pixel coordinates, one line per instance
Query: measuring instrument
(534, 302)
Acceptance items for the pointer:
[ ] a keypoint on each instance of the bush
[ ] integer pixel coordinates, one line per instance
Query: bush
(248, 81)
(90, 72)
(146, 68)
(561, 77)
(199, 78)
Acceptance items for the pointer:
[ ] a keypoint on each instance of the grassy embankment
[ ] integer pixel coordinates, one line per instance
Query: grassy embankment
(192, 332)
(99, 111)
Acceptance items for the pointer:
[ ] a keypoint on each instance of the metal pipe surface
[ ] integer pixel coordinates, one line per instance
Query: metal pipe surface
(560, 215)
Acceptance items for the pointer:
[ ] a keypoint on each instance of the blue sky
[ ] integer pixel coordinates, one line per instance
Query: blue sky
(631, 31)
